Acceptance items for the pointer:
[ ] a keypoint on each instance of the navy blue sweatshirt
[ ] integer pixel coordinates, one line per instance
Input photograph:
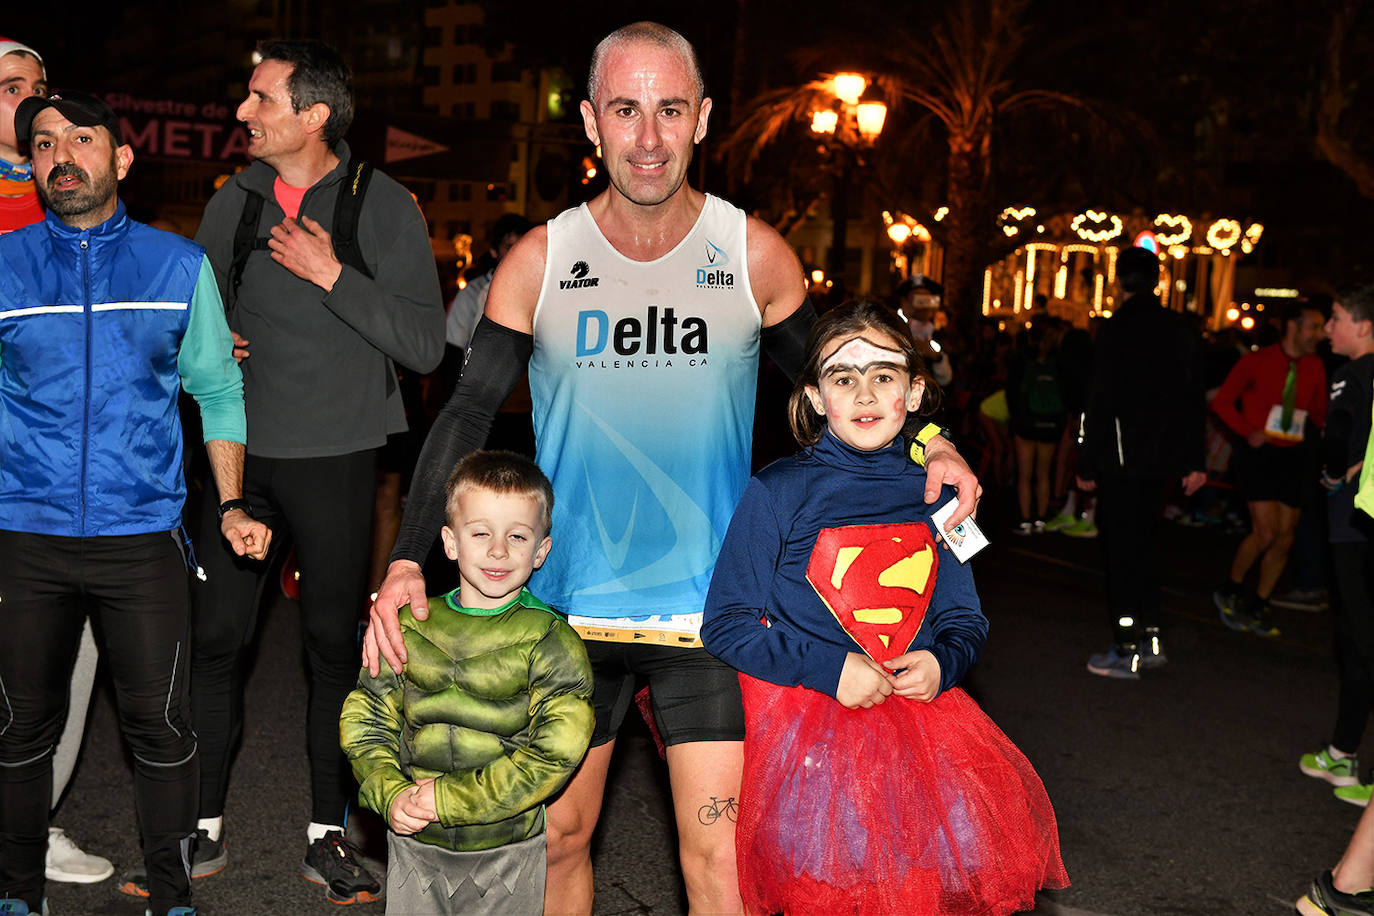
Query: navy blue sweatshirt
(761, 571)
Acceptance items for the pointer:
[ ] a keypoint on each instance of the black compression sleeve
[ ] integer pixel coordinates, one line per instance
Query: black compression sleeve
(497, 358)
(785, 342)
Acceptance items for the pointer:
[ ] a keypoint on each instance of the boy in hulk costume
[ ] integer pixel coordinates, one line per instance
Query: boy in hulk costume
(490, 716)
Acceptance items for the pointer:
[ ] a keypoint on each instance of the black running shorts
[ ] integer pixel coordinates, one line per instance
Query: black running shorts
(1271, 473)
(694, 695)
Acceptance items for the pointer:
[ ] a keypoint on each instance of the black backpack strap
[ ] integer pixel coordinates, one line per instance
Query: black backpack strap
(347, 209)
(246, 241)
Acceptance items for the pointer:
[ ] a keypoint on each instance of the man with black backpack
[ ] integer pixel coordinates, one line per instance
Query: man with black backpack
(328, 277)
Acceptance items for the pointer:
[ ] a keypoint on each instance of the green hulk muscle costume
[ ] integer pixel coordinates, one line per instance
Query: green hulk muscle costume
(495, 704)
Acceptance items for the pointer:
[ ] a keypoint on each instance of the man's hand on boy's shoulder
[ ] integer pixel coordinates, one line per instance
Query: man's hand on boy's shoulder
(404, 584)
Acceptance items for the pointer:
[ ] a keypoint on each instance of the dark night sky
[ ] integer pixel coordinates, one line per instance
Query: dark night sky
(1227, 88)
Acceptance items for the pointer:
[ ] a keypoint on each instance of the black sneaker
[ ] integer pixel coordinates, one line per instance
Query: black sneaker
(1152, 656)
(1324, 900)
(208, 857)
(332, 861)
(1232, 606)
(1262, 620)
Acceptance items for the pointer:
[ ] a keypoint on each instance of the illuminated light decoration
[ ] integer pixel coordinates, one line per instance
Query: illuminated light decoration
(1246, 246)
(899, 232)
(1277, 292)
(818, 276)
(1095, 226)
(1178, 229)
(824, 122)
(1016, 292)
(1259, 306)
(887, 217)
(1146, 240)
(1202, 249)
(1061, 282)
(1232, 313)
(1030, 277)
(1106, 313)
(1067, 250)
(1254, 232)
(1176, 251)
(848, 87)
(1097, 293)
(997, 303)
(1223, 234)
(1040, 228)
(1111, 265)
(941, 213)
(987, 290)
(920, 233)
(1247, 322)
(1180, 285)
(1041, 246)
(598, 151)
(870, 117)
(1012, 215)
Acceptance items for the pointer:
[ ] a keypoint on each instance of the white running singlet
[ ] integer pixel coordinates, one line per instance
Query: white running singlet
(643, 378)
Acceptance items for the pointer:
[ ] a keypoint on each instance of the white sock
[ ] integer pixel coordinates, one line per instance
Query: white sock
(1337, 754)
(317, 831)
(1070, 503)
(213, 826)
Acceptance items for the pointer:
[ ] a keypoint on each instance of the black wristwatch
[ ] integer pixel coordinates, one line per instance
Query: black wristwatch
(229, 505)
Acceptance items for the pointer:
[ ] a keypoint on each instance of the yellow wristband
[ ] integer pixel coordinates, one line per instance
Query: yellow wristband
(918, 445)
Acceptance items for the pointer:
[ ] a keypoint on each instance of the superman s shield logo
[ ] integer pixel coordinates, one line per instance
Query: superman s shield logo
(877, 581)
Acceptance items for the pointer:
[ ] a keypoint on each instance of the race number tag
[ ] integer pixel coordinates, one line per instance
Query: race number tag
(1274, 425)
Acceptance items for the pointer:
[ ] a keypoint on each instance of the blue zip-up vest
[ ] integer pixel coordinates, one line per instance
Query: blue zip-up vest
(91, 323)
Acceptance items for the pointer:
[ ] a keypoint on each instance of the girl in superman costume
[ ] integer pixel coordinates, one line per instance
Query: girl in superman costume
(872, 783)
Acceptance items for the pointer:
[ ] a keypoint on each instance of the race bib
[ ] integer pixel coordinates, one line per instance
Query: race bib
(1274, 425)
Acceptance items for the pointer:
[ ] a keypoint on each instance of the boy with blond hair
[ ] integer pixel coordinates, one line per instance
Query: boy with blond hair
(489, 717)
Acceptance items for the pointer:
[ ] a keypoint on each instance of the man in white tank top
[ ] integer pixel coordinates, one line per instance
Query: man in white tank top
(665, 310)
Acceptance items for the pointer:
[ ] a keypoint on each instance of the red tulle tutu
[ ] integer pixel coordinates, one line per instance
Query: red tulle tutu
(906, 807)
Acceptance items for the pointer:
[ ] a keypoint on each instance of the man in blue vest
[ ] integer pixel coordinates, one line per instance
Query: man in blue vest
(102, 322)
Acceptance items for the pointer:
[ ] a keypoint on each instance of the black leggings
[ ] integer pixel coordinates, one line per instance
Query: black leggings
(134, 588)
(1128, 515)
(324, 506)
(1354, 642)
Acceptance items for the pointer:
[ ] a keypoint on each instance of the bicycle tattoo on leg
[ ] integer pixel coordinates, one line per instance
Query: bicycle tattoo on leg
(709, 814)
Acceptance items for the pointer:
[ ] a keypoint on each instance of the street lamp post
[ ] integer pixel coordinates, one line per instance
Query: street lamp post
(853, 123)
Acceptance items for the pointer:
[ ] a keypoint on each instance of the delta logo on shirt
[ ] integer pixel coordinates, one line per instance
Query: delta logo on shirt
(579, 280)
(712, 274)
(652, 341)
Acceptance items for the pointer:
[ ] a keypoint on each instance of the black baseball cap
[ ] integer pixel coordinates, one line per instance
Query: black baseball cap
(81, 108)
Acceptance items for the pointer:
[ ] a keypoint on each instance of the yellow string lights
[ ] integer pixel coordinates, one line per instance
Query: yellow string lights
(1223, 234)
(1172, 230)
(1097, 226)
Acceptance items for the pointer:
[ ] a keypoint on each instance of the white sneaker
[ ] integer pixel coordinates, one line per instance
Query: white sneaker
(67, 862)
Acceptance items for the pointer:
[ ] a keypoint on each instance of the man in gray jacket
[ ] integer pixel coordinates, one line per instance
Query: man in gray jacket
(316, 337)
